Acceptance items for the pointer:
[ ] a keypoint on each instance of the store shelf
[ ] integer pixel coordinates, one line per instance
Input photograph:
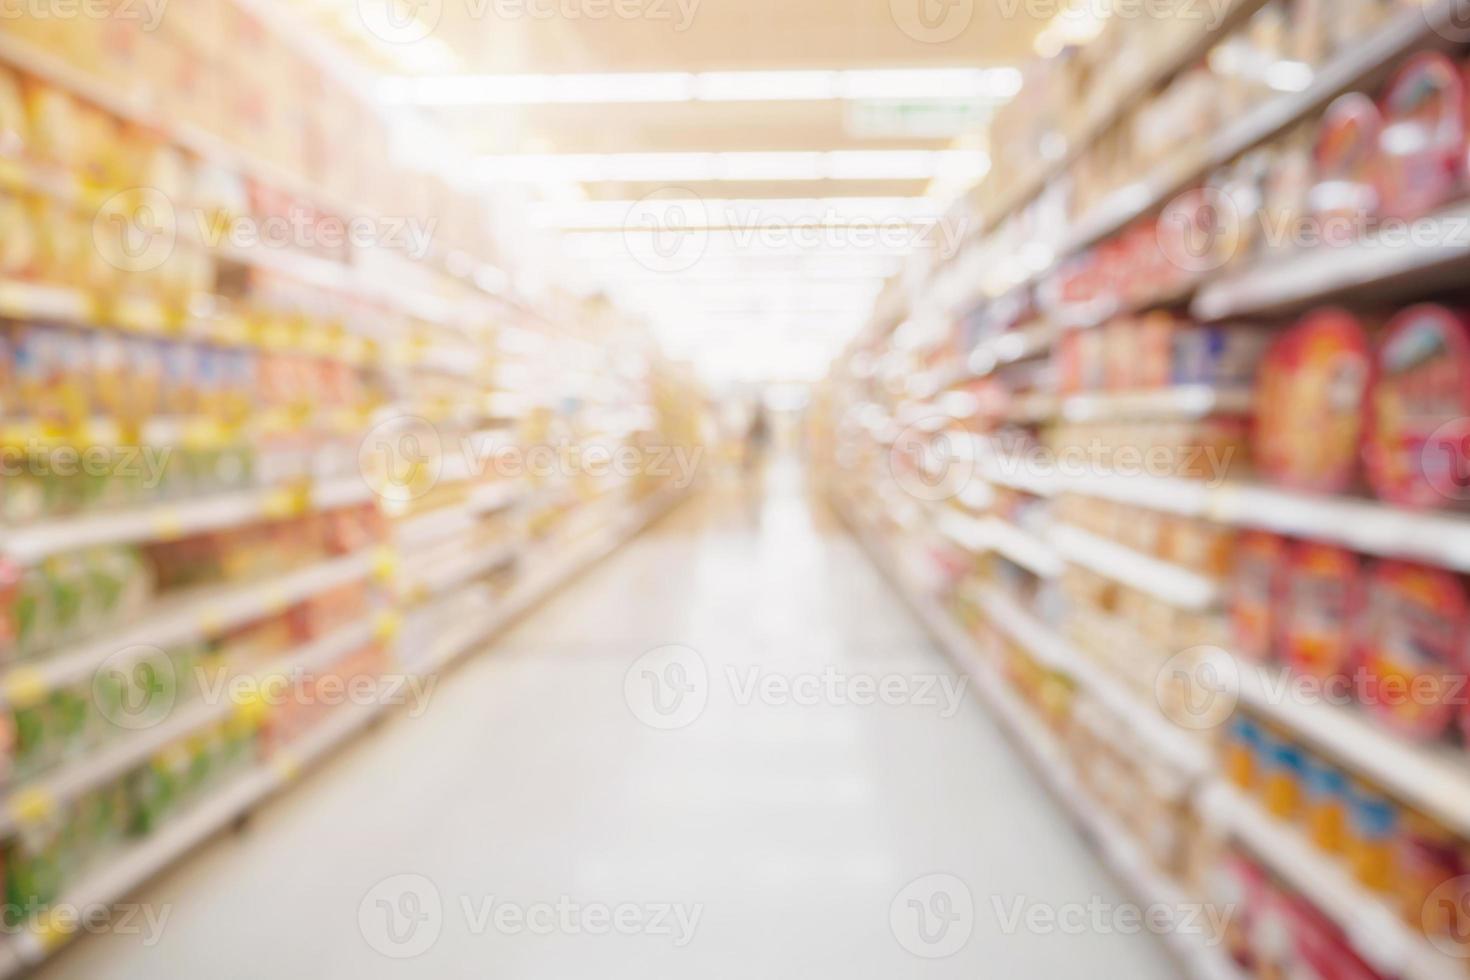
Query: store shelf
(43, 795)
(994, 534)
(435, 525)
(28, 544)
(1372, 268)
(1188, 402)
(538, 582)
(1144, 80)
(1354, 68)
(1366, 526)
(1171, 583)
(439, 577)
(1375, 930)
(1149, 725)
(29, 945)
(1434, 779)
(197, 615)
(1199, 957)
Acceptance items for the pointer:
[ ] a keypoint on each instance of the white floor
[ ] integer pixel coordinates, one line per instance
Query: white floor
(794, 830)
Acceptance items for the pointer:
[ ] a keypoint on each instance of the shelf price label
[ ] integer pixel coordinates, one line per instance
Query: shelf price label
(385, 564)
(24, 687)
(284, 503)
(32, 807)
(387, 624)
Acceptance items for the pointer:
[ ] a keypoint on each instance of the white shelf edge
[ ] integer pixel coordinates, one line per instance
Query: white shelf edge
(1173, 584)
(71, 779)
(28, 544)
(1203, 961)
(1146, 720)
(1376, 931)
(1433, 779)
(192, 616)
(1440, 538)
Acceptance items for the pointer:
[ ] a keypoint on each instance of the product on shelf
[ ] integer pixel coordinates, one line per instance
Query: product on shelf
(1310, 397)
(1347, 160)
(1424, 138)
(1256, 585)
(1321, 597)
(1413, 631)
(1417, 453)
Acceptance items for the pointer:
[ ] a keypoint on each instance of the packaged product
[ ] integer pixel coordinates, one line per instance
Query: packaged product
(33, 872)
(1321, 598)
(1309, 403)
(1372, 837)
(1428, 856)
(1284, 771)
(1243, 746)
(1417, 447)
(1219, 356)
(1346, 192)
(1423, 140)
(13, 123)
(1414, 628)
(1320, 948)
(1256, 587)
(1327, 804)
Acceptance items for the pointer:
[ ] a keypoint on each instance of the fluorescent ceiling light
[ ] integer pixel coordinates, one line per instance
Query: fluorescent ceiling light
(741, 212)
(713, 167)
(962, 84)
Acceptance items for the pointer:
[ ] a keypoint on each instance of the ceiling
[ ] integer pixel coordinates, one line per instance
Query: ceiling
(758, 265)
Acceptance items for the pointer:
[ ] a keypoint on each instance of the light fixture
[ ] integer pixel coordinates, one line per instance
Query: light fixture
(665, 168)
(998, 84)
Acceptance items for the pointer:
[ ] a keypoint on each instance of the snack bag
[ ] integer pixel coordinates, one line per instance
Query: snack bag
(1418, 435)
(1310, 396)
(1412, 661)
(1423, 139)
(1347, 157)
(1255, 594)
(1320, 603)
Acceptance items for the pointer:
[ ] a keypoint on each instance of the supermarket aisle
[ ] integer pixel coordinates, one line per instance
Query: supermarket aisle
(780, 834)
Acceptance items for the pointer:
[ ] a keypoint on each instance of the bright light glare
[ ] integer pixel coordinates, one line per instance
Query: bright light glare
(961, 84)
(702, 167)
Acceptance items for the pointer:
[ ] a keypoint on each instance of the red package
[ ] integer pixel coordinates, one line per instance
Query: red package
(1418, 435)
(1347, 167)
(1423, 140)
(1256, 585)
(1311, 391)
(1322, 595)
(1413, 631)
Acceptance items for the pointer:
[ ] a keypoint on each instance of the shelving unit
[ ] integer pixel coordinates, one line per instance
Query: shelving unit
(1066, 269)
(1199, 957)
(1435, 779)
(1177, 586)
(1380, 935)
(117, 878)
